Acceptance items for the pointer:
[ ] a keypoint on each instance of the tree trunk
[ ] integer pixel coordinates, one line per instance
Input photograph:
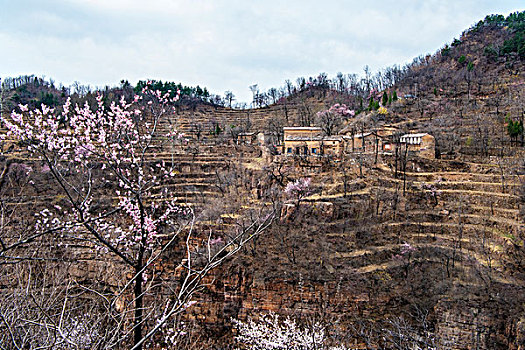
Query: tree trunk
(139, 303)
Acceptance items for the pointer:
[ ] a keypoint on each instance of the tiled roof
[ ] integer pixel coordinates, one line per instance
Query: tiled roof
(302, 128)
(363, 135)
(314, 138)
(414, 135)
(303, 138)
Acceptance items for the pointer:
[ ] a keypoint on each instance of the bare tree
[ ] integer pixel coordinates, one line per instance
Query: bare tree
(113, 201)
(255, 92)
(230, 97)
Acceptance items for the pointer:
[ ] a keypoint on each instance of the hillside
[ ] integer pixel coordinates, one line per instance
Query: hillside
(391, 251)
(445, 256)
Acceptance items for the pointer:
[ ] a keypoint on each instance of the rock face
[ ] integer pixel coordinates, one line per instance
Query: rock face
(520, 334)
(463, 328)
(239, 295)
(468, 325)
(322, 210)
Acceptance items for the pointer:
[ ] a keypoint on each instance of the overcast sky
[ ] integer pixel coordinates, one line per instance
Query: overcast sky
(225, 44)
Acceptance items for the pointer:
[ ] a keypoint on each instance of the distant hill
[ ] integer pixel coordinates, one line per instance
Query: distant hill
(467, 89)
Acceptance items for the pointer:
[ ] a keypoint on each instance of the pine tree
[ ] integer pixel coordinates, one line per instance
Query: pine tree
(514, 129)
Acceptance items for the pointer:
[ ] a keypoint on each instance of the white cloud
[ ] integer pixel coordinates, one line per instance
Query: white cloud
(224, 44)
(141, 7)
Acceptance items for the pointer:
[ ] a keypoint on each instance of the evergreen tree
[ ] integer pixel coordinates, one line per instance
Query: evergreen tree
(514, 129)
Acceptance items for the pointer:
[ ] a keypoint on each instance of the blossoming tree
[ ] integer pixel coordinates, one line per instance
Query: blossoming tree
(330, 119)
(298, 189)
(272, 333)
(115, 196)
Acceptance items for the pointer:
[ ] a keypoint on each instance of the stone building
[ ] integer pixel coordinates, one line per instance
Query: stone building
(246, 138)
(332, 146)
(369, 142)
(310, 141)
(423, 144)
(360, 142)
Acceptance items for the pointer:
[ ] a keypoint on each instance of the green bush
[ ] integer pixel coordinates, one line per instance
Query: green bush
(515, 45)
(514, 128)
(491, 52)
(385, 98)
(445, 51)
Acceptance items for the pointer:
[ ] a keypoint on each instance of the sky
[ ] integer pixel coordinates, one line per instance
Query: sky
(225, 44)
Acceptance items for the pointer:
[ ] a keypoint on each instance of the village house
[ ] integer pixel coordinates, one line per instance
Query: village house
(423, 144)
(301, 140)
(360, 142)
(246, 138)
(368, 142)
(386, 135)
(310, 141)
(332, 146)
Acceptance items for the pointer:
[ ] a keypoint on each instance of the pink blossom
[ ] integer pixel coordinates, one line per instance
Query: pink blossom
(298, 188)
(406, 248)
(97, 136)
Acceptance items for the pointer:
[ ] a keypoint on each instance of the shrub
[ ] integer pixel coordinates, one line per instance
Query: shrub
(455, 43)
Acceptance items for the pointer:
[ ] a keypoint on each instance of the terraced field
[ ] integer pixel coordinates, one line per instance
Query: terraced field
(366, 248)
(468, 202)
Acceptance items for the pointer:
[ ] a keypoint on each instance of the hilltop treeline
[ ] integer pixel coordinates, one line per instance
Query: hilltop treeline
(515, 45)
(172, 88)
(509, 47)
(33, 91)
